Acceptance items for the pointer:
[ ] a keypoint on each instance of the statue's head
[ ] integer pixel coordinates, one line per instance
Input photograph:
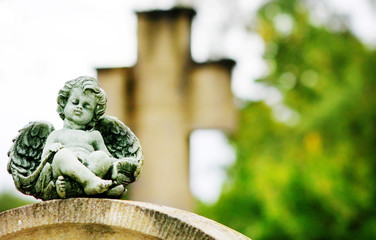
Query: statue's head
(86, 85)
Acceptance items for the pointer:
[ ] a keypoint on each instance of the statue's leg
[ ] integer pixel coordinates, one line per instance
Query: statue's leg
(99, 163)
(67, 164)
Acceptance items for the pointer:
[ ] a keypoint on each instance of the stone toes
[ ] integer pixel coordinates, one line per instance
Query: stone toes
(106, 183)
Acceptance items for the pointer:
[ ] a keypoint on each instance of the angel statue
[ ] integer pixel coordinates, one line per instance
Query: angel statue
(92, 156)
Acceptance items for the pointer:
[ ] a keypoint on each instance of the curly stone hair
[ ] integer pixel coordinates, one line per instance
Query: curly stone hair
(85, 84)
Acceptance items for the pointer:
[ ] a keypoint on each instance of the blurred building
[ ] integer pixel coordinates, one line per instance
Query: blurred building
(163, 98)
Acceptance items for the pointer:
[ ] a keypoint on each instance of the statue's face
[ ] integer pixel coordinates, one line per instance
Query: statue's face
(80, 107)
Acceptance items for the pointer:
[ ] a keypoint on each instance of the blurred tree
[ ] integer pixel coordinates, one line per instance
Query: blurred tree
(10, 201)
(311, 174)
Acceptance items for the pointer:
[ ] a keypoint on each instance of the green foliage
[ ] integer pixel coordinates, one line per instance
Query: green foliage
(10, 201)
(313, 179)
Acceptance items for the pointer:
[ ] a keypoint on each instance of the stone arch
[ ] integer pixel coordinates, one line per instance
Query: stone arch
(91, 218)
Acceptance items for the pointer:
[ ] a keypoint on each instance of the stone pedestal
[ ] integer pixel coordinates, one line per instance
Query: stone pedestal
(91, 218)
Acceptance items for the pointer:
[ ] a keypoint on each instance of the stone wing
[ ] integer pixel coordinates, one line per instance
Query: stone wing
(25, 163)
(123, 144)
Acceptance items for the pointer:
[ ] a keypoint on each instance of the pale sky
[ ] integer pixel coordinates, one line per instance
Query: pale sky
(44, 43)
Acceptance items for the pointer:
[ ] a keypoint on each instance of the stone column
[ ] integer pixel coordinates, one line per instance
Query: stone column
(160, 106)
(163, 98)
(118, 85)
(210, 97)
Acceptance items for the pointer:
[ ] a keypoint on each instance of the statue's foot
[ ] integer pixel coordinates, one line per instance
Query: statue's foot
(60, 187)
(123, 171)
(97, 186)
(116, 192)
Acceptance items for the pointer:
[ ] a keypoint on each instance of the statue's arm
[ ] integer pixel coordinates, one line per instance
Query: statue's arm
(51, 145)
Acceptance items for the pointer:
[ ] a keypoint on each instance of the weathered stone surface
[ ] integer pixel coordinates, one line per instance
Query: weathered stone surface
(92, 218)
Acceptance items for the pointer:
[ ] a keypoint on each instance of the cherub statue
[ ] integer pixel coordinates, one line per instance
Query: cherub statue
(93, 155)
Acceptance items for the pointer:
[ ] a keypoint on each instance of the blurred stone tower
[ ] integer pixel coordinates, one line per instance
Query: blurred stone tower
(163, 98)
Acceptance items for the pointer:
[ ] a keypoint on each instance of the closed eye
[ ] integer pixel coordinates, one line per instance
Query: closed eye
(87, 106)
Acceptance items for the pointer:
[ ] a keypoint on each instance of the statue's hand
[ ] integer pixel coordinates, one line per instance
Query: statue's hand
(123, 171)
(55, 147)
